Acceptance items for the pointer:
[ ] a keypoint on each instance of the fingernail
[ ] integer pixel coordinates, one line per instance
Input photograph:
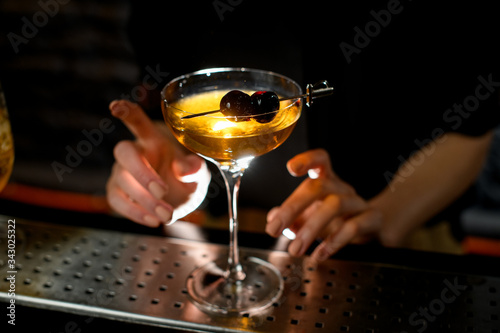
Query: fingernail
(295, 247)
(274, 227)
(151, 220)
(163, 214)
(117, 109)
(157, 190)
(299, 245)
(298, 167)
(322, 255)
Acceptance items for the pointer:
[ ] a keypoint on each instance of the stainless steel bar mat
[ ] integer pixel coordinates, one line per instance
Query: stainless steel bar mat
(141, 279)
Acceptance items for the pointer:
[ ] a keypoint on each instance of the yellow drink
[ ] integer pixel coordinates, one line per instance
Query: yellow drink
(218, 138)
(6, 148)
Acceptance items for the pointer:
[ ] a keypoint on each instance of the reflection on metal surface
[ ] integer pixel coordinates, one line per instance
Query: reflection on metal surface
(141, 279)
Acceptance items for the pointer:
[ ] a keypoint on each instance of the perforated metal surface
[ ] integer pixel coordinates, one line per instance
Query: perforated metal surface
(141, 279)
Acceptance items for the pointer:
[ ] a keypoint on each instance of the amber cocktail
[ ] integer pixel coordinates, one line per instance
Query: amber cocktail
(231, 142)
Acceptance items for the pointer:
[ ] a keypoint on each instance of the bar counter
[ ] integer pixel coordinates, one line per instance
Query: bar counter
(81, 273)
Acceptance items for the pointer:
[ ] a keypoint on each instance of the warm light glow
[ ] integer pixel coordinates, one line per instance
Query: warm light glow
(289, 234)
(223, 124)
(313, 173)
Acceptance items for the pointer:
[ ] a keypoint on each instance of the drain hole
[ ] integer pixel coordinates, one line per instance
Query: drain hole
(163, 287)
(319, 325)
(327, 297)
(141, 284)
(323, 310)
(344, 328)
(133, 297)
(347, 314)
(294, 322)
(270, 318)
(170, 275)
(155, 301)
(177, 304)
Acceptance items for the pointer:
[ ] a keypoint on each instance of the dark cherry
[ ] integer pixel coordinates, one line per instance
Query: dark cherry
(263, 104)
(236, 104)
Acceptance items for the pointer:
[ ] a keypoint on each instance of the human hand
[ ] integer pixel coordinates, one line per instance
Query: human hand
(323, 206)
(154, 180)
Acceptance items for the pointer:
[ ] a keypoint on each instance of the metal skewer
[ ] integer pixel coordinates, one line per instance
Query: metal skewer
(319, 89)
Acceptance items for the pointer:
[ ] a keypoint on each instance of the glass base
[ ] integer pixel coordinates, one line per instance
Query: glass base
(209, 289)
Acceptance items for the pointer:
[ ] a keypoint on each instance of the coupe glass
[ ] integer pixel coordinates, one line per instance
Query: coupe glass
(6, 143)
(234, 285)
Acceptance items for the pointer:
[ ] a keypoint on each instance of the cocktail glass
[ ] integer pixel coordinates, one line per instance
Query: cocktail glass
(235, 285)
(6, 144)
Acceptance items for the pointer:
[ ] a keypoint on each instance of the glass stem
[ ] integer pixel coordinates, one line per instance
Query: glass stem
(232, 178)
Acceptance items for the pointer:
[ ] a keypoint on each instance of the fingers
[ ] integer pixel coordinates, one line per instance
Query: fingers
(329, 213)
(366, 223)
(126, 196)
(309, 191)
(128, 156)
(136, 120)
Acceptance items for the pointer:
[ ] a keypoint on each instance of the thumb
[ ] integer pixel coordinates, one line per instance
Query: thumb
(314, 162)
(185, 167)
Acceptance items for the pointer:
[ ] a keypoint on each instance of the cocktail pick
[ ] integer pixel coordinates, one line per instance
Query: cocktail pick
(313, 91)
